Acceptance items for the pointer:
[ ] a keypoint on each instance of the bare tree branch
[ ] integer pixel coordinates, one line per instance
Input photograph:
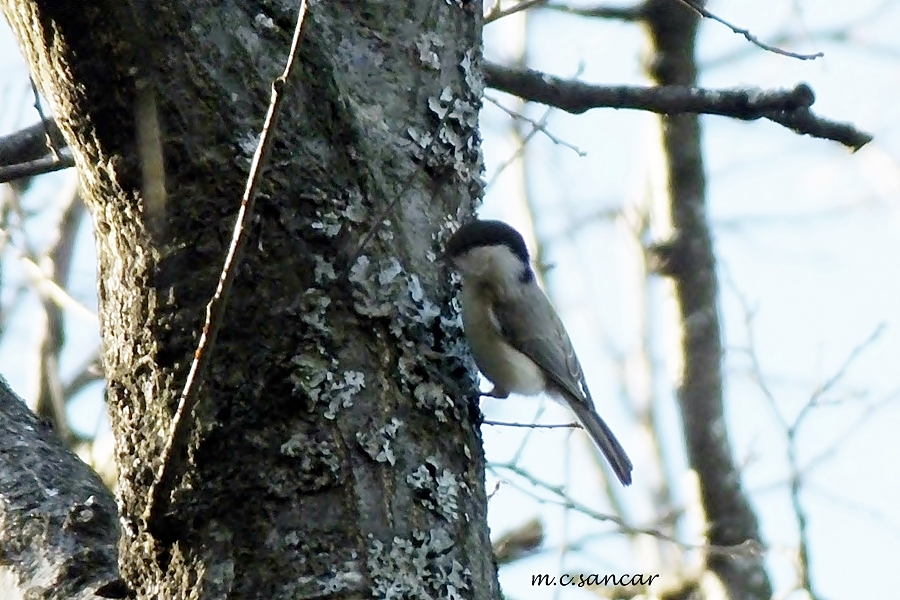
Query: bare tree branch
(786, 107)
(638, 12)
(532, 425)
(798, 481)
(701, 10)
(51, 401)
(31, 168)
(847, 31)
(92, 371)
(559, 497)
(613, 13)
(520, 148)
(804, 122)
(797, 475)
(536, 125)
(496, 12)
(49, 139)
(29, 144)
(26, 153)
(45, 286)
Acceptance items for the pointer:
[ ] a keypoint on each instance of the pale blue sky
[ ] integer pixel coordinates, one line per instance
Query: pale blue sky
(806, 234)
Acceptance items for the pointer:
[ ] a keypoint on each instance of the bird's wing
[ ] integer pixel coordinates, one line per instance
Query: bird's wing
(534, 329)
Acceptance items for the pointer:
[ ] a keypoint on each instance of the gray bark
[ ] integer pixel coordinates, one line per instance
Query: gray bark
(331, 455)
(690, 259)
(58, 530)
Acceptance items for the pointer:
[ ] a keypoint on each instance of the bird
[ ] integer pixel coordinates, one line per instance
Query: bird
(516, 337)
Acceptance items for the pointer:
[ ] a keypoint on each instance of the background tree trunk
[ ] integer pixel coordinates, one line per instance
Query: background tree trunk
(688, 256)
(330, 453)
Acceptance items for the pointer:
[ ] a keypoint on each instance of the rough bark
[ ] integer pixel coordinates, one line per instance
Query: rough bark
(58, 529)
(690, 259)
(331, 455)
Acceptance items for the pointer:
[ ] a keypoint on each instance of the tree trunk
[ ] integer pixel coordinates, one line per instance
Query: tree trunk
(690, 259)
(334, 451)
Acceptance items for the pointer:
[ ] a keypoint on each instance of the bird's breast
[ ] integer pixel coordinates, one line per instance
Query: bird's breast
(503, 365)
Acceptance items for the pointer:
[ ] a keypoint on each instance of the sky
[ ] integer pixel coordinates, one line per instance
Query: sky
(806, 238)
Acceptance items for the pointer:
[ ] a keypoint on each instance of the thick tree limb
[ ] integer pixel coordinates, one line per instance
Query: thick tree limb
(789, 108)
(59, 532)
(29, 144)
(25, 153)
(786, 107)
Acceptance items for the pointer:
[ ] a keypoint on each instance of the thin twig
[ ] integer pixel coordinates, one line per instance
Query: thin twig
(842, 370)
(882, 519)
(520, 451)
(849, 431)
(520, 150)
(48, 164)
(561, 498)
(533, 425)
(700, 10)
(89, 373)
(51, 143)
(215, 308)
(797, 480)
(536, 125)
(840, 34)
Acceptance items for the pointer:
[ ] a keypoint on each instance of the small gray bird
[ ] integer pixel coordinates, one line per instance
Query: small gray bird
(518, 341)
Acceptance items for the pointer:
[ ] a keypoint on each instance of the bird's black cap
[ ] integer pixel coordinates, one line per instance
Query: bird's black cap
(477, 234)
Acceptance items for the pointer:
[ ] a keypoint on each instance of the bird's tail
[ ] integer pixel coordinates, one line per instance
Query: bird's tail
(604, 439)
